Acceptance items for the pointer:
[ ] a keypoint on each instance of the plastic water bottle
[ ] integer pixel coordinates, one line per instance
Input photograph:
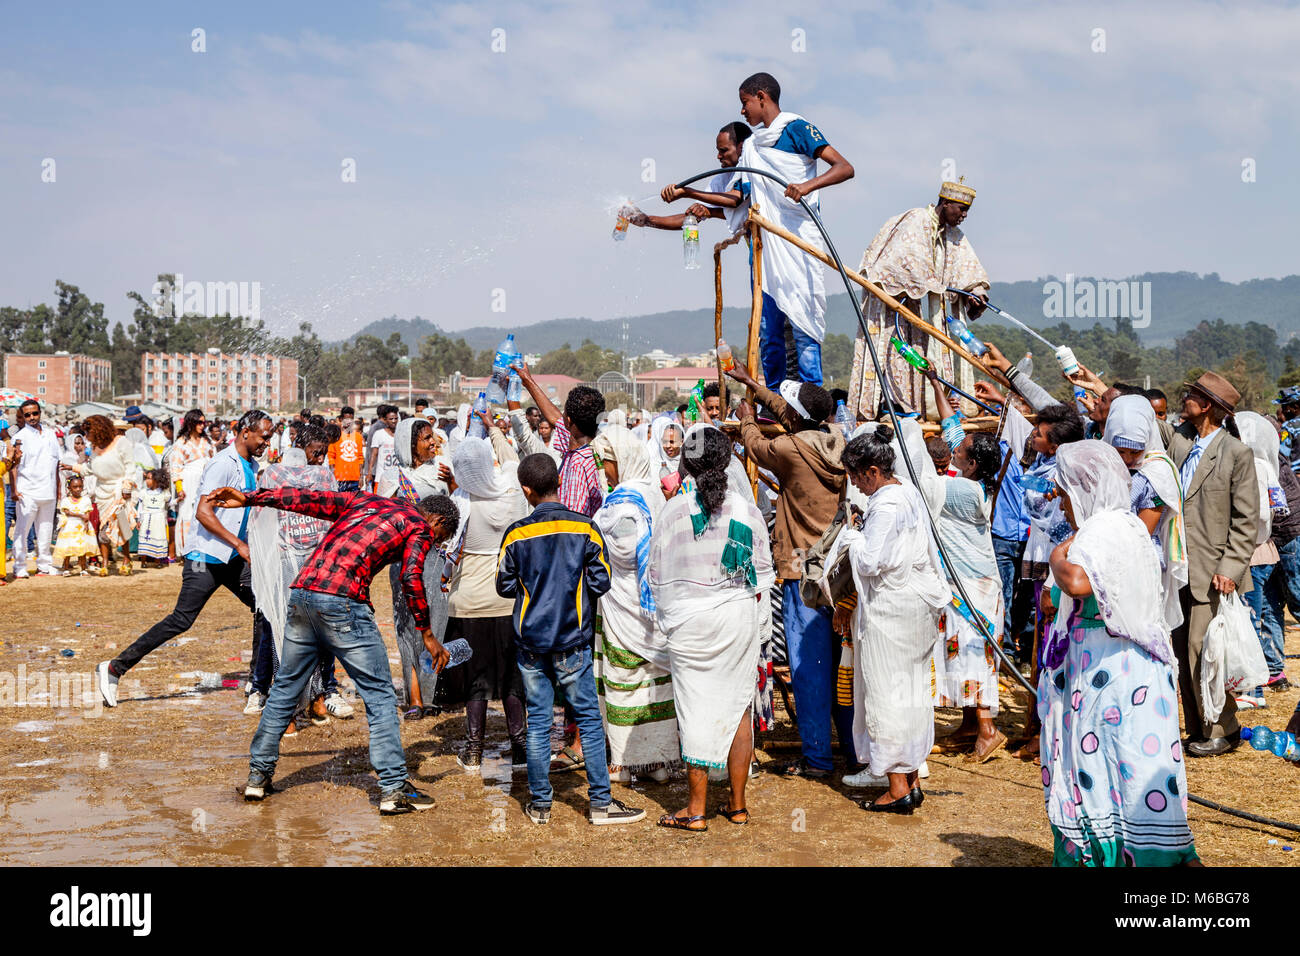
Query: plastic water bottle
(725, 359)
(622, 221)
(1065, 355)
(515, 390)
(1279, 742)
(959, 330)
(1025, 366)
(476, 427)
(844, 418)
(691, 241)
(208, 679)
(458, 652)
(499, 380)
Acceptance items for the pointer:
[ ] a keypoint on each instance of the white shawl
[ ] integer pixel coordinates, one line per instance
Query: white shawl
(791, 277)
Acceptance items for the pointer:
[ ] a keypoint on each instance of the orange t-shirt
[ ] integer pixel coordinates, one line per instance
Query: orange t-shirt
(346, 457)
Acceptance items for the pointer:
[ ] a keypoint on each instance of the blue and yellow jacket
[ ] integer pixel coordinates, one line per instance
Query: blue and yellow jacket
(553, 564)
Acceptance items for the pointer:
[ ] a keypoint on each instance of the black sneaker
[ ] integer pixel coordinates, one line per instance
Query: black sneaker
(258, 786)
(471, 761)
(616, 812)
(800, 768)
(1278, 683)
(539, 815)
(406, 800)
(518, 756)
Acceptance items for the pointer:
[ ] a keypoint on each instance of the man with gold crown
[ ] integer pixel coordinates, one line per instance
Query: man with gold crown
(915, 257)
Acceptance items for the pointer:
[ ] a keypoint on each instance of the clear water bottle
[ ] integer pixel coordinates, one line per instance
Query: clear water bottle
(515, 390)
(458, 652)
(1279, 742)
(499, 380)
(844, 418)
(691, 241)
(1025, 366)
(958, 329)
(725, 359)
(208, 679)
(476, 427)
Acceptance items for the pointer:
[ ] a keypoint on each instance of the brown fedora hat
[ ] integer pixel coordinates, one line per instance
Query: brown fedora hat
(1217, 389)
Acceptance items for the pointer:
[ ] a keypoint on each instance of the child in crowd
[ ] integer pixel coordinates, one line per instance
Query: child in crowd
(151, 517)
(553, 564)
(76, 539)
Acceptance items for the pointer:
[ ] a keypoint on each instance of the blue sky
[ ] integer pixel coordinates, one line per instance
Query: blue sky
(479, 171)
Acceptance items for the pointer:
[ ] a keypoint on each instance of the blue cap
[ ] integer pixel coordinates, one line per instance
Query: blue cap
(133, 412)
(1288, 396)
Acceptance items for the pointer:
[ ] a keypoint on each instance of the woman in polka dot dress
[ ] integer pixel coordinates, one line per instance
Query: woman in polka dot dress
(1113, 775)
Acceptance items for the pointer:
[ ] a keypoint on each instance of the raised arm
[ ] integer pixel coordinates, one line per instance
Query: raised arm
(540, 398)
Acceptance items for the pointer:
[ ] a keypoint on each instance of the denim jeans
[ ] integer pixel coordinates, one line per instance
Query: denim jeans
(320, 623)
(813, 651)
(808, 348)
(1277, 587)
(1008, 552)
(572, 673)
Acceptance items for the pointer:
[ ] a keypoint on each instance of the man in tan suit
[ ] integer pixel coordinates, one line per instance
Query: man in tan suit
(1220, 513)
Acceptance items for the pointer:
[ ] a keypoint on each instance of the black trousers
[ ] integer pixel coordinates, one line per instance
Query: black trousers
(199, 581)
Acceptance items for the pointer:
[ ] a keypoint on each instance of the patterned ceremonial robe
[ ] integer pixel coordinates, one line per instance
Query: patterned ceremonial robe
(914, 260)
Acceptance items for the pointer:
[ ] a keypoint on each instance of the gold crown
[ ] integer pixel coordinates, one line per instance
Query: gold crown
(958, 192)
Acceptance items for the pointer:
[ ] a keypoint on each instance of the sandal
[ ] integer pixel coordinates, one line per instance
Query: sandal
(732, 814)
(670, 821)
(124, 568)
(984, 755)
(567, 759)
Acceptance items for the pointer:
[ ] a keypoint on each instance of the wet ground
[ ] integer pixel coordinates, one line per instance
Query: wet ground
(155, 780)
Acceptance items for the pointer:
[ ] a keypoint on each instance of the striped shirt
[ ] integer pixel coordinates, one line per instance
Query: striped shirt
(581, 483)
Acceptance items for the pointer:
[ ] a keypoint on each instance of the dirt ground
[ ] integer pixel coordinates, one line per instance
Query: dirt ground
(154, 781)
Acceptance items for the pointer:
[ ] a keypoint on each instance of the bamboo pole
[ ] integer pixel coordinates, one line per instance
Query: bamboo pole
(717, 316)
(889, 301)
(755, 321)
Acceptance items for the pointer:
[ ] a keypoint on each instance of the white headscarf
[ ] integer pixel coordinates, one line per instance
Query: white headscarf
(617, 444)
(425, 478)
(657, 453)
(1258, 433)
(1131, 423)
(1113, 547)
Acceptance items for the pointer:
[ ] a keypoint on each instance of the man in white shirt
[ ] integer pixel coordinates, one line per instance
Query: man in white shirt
(381, 461)
(36, 489)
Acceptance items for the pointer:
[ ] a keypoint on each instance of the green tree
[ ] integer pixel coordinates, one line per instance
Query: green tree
(621, 400)
(78, 324)
(666, 400)
(837, 359)
(586, 363)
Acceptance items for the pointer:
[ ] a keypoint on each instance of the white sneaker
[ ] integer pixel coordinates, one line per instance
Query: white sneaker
(336, 706)
(658, 775)
(1249, 702)
(621, 775)
(20, 575)
(864, 778)
(924, 772)
(107, 683)
(256, 701)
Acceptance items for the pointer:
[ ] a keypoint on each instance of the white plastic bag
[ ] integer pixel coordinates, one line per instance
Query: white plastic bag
(1241, 665)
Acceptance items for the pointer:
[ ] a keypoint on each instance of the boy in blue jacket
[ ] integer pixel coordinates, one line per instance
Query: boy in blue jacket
(553, 564)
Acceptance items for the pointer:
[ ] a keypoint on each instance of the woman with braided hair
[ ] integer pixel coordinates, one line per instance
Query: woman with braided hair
(710, 562)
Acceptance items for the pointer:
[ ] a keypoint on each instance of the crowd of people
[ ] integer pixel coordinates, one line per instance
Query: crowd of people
(629, 561)
(654, 569)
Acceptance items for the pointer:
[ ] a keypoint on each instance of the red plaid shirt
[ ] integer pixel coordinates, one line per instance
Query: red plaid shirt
(582, 486)
(367, 532)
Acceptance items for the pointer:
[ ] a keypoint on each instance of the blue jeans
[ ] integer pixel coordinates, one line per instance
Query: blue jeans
(1008, 552)
(1277, 587)
(773, 348)
(320, 623)
(813, 651)
(572, 672)
(347, 487)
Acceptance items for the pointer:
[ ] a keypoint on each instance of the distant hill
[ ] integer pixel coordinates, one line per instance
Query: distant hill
(1177, 303)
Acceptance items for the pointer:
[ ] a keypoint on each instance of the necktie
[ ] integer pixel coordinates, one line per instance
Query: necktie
(1189, 466)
